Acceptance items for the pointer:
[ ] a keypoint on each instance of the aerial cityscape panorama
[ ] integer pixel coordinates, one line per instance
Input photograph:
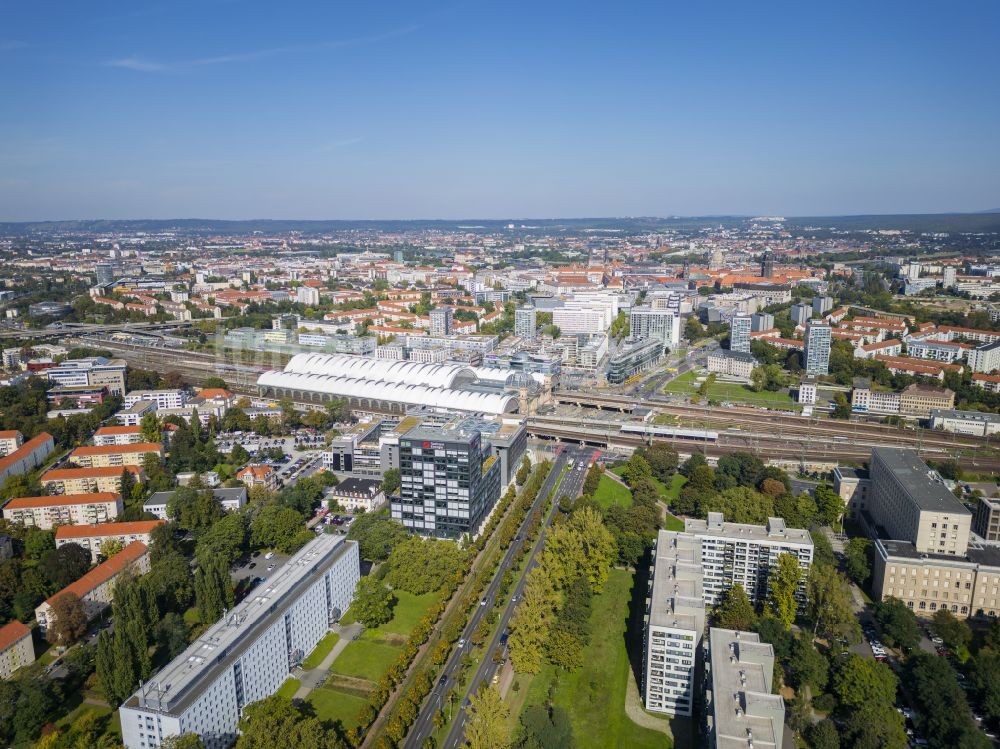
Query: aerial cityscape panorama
(504, 376)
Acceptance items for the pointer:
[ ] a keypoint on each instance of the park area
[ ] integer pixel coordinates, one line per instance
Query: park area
(594, 698)
(611, 492)
(688, 384)
(362, 662)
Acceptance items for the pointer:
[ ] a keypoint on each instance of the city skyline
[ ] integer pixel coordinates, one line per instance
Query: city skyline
(242, 110)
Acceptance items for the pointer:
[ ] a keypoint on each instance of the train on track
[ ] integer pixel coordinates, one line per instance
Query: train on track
(653, 431)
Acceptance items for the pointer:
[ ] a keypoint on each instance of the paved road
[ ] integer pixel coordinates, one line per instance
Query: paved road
(571, 485)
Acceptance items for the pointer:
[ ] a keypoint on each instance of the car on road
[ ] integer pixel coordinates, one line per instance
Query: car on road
(482, 602)
(461, 642)
(443, 680)
(251, 565)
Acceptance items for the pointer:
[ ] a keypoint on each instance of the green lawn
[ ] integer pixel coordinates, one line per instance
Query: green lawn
(594, 696)
(610, 492)
(673, 523)
(334, 705)
(409, 610)
(365, 659)
(322, 649)
(671, 492)
(687, 384)
(289, 688)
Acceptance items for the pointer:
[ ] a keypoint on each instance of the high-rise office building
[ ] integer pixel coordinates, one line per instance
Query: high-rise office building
(526, 323)
(663, 325)
(247, 655)
(449, 482)
(767, 264)
(441, 320)
(817, 347)
(739, 333)
(105, 273)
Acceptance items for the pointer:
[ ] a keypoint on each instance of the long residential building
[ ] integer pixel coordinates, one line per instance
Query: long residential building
(246, 656)
(118, 435)
(93, 535)
(741, 711)
(71, 509)
(16, 648)
(102, 456)
(96, 588)
(87, 480)
(230, 500)
(27, 457)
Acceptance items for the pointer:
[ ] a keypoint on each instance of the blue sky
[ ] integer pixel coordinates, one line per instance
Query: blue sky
(233, 109)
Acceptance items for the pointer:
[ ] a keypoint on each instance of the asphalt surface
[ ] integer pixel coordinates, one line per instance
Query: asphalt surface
(572, 484)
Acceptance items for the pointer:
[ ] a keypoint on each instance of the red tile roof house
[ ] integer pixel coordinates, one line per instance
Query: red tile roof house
(96, 588)
(16, 648)
(92, 535)
(258, 475)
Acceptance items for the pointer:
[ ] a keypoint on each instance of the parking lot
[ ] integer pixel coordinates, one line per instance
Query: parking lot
(258, 565)
(303, 451)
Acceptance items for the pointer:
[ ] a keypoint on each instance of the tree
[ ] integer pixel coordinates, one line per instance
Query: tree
(856, 562)
(110, 547)
(421, 565)
(954, 631)
(523, 471)
(182, 741)
(898, 623)
(841, 407)
(583, 546)
(823, 735)
(735, 610)
(126, 484)
(213, 589)
(225, 540)
(487, 725)
(149, 428)
(377, 535)
(172, 634)
(67, 620)
(741, 504)
(38, 542)
(783, 582)
(945, 717)
(391, 481)
(275, 527)
(808, 667)
(275, 721)
(830, 608)
(636, 468)
(758, 379)
(214, 382)
(859, 681)
(829, 505)
(984, 676)
(373, 602)
(529, 627)
(662, 460)
(65, 565)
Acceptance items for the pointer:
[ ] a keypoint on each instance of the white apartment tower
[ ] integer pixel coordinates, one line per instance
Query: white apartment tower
(739, 333)
(526, 323)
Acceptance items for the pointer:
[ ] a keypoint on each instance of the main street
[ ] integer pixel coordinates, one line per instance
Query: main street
(577, 460)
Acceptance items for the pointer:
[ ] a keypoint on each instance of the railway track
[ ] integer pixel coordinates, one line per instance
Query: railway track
(787, 424)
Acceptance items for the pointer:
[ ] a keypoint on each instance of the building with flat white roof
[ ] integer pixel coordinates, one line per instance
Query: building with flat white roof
(674, 624)
(741, 712)
(247, 655)
(162, 398)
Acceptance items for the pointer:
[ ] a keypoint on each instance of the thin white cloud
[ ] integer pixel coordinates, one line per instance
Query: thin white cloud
(152, 66)
(9, 45)
(137, 64)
